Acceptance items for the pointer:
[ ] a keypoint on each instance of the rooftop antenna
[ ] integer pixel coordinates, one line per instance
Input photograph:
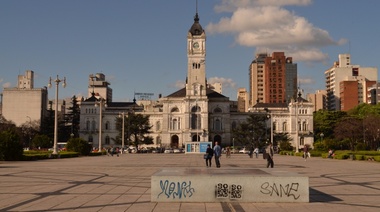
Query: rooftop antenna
(196, 6)
(349, 47)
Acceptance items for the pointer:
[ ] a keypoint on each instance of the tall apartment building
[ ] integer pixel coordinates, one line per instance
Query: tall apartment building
(272, 79)
(339, 79)
(318, 99)
(25, 103)
(242, 100)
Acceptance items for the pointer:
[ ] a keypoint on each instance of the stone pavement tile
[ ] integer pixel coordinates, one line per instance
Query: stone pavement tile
(7, 200)
(142, 207)
(192, 207)
(43, 203)
(217, 207)
(73, 202)
(167, 207)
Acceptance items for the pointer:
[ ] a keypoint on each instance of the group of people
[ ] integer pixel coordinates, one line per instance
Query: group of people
(216, 152)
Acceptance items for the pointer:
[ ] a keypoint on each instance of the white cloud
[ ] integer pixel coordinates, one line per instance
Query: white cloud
(265, 24)
(226, 83)
(7, 85)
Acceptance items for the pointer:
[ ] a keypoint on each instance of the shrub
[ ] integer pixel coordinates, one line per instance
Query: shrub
(10, 146)
(78, 145)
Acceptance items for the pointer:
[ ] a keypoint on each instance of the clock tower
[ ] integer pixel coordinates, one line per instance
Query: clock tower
(196, 60)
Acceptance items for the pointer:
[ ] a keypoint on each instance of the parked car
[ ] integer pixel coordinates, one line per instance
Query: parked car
(244, 150)
(177, 151)
(169, 151)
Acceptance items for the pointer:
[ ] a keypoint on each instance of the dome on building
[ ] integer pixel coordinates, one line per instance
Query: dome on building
(196, 28)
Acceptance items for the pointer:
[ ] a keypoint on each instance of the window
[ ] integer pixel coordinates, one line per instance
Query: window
(158, 126)
(93, 125)
(284, 128)
(108, 125)
(217, 124)
(107, 140)
(88, 125)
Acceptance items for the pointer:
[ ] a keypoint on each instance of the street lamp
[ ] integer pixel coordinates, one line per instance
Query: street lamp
(122, 132)
(101, 102)
(322, 136)
(30, 126)
(297, 141)
(57, 81)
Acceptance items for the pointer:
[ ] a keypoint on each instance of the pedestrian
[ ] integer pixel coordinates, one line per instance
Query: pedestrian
(209, 154)
(256, 151)
(269, 155)
(217, 154)
(228, 152)
(305, 152)
(251, 152)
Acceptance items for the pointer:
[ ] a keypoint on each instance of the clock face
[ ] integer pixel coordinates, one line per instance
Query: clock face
(196, 45)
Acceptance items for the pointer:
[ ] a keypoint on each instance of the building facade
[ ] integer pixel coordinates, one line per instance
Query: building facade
(273, 79)
(344, 71)
(25, 103)
(192, 114)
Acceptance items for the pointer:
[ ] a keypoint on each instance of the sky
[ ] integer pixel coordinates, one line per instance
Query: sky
(140, 45)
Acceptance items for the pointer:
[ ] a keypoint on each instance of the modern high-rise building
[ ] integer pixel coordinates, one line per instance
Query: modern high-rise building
(374, 94)
(242, 100)
(98, 85)
(272, 79)
(318, 99)
(341, 77)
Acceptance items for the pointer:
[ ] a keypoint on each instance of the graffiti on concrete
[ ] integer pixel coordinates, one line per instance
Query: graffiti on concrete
(233, 191)
(281, 190)
(176, 189)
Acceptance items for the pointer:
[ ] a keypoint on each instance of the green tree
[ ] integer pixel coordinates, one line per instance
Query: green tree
(349, 129)
(325, 122)
(73, 117)
(10, 145)
(41, 141)
(283, 140)
(78, 145)
(252, 132)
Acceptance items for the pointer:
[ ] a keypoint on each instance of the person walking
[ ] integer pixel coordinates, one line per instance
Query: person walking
(269, 155)
(209, 154)
(305, 152)
(256, 151)
(217, 154)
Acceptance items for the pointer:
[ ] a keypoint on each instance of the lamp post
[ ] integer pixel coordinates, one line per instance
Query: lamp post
(122, 132)
(297, 141)
(57, 81)
(322, 136)
(101, 102)
(30, 126)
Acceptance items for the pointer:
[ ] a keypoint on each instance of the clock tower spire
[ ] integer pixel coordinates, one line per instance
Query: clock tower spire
(196, 59)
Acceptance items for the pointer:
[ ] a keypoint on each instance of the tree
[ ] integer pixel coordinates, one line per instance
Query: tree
(78, 145)
(283, 140)
(252, 132)
(10, 145)
(73, 117)
(41, 141)
(349, 129)
(136, 129)
(325, 122)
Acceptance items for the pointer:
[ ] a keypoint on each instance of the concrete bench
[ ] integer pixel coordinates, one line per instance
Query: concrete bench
(228, 185)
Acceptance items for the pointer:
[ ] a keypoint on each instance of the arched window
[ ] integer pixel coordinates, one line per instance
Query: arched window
(195, 118)
(174, 110)
(158, 140)
(284, 126)
(107, 125)
(233, 125)
(93, 125)
(217, 124)
(158, 126)
(88, 125)
(304, 126)
(302, 141)
(90, 139)
(217, 110)
(107, 140)
(274, 126)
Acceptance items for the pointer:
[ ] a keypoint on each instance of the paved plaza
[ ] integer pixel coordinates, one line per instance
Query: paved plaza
(123, 183)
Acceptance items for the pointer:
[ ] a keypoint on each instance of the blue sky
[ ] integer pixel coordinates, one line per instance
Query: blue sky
(140, 45)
